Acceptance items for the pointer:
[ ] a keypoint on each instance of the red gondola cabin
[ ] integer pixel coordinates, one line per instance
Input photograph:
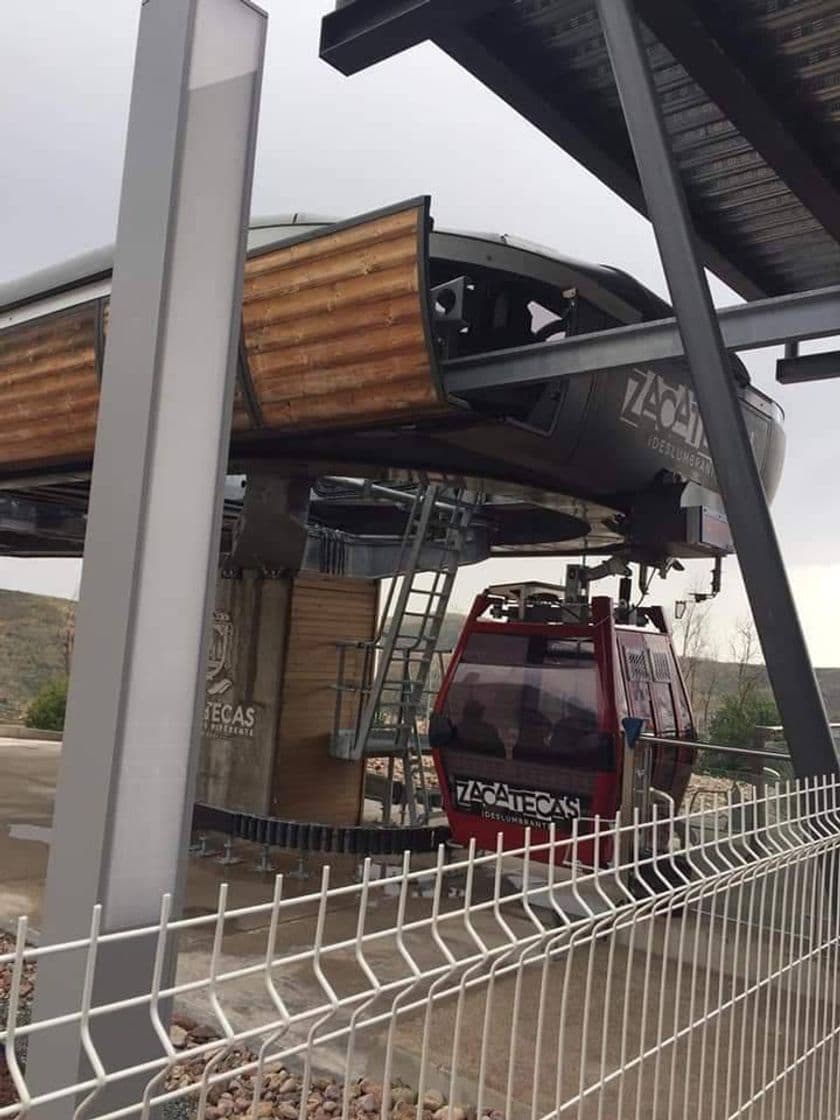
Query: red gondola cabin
(526, 727)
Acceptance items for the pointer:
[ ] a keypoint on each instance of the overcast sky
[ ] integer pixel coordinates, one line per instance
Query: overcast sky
(413, 125)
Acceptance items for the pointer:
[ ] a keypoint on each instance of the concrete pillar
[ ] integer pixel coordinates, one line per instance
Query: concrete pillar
(244, 687)
(270, 699)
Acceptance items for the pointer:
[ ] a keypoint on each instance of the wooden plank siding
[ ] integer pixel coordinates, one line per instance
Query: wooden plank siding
(49, 393)
(308, 783)
(335, 333)
(336, 328)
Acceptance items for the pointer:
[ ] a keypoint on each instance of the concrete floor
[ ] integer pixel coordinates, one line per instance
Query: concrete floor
(27, 781)
(28, 771)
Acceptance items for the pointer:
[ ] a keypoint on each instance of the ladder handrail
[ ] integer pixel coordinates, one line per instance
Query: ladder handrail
(396, 686)
(413, 547)
(420, 511)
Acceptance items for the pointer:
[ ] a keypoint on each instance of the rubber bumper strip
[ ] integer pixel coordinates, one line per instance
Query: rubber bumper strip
(360, 840)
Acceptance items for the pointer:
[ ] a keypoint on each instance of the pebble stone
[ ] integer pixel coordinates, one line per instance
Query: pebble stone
(402, 1110)
(433, 1100)
(450, 1112)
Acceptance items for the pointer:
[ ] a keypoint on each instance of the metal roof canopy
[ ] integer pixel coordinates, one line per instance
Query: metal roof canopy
(715, 119)
(747, 89)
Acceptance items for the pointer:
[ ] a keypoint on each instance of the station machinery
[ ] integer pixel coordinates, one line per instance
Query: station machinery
(381, 428)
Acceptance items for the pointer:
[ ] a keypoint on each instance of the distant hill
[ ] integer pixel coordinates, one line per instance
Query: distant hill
(829, 682)
(32, 629)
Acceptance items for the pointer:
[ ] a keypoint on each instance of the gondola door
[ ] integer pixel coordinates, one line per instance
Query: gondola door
(657, 694)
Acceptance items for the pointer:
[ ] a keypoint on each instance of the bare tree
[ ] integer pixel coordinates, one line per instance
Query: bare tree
(68, 636)
(707, 692)
(745, 651)
(691, 634)
(699, 659)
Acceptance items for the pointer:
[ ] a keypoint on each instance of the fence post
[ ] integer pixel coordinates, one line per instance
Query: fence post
(635, 780)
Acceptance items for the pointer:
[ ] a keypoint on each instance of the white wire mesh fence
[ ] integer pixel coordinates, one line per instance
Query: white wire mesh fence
(683, 967)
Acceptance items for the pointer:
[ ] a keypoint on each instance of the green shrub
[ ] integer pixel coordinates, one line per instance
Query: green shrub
(733, 725)
(46, 712)
(734, 722)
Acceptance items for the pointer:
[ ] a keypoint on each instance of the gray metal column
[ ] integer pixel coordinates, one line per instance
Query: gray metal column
(785, 652)
(127, 769)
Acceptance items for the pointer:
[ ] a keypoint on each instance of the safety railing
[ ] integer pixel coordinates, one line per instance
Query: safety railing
(742, 767)
(775, 733)
(699, 977)
(736, 783)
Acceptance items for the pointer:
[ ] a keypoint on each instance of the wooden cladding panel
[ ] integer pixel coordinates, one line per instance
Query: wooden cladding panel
(334, 332)
(49, 393)
(335, 326)
(309, 784)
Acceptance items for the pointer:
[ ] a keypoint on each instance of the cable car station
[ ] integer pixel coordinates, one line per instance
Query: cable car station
(355, 463)
(276, 441)
(409, 400)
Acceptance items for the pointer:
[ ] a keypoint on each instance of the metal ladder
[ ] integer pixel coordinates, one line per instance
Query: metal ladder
(438, 523)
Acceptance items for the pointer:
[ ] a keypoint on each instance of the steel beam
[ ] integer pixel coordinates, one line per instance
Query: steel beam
(362, 32)
(794, 369)
(48, 521)
(127, 773)
(745, 326)
(785, 652)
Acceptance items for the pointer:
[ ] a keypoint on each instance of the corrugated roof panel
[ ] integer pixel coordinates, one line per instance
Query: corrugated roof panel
(732, 190)
(796, 46)
(749, 89)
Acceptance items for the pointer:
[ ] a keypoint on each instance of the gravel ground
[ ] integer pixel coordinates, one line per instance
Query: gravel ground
(719, 786)
(380, 766)
(7, 945)
(282, 1089)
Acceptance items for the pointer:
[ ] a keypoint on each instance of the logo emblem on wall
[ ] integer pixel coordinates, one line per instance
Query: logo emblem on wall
(218, 665)
(222, 718)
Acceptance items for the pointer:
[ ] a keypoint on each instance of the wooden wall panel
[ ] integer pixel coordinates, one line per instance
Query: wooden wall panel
(49, 393)
(309, 784)
(335, 326)
(334, 335)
